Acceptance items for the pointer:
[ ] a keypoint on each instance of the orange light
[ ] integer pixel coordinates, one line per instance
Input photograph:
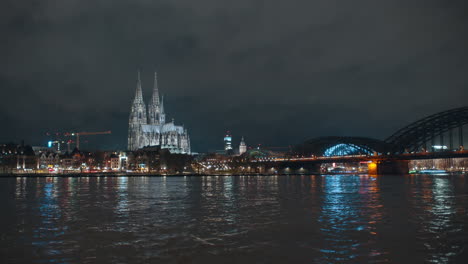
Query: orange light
(372, 168)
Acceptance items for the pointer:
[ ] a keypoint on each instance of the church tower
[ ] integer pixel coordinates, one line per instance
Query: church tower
(137, 118)
(242, 147)
(154, 107)
(147, 127)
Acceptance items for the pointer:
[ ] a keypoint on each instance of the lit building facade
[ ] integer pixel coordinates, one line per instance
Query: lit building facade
(242, 147)
(228, 142)
(148, 127)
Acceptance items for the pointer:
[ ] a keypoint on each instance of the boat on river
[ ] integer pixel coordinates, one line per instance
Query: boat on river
(433, 171)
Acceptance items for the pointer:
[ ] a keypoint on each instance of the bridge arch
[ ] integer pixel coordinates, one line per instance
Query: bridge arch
(424, 133)
(341, 146)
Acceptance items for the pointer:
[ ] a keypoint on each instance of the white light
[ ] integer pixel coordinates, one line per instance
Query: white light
(439, 147)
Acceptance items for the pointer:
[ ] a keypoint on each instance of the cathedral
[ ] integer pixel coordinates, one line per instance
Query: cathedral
(148, 127)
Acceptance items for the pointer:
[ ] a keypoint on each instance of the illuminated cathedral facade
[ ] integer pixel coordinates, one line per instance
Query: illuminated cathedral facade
(148, 127)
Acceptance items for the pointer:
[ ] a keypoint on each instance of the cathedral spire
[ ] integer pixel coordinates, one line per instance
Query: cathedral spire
(162, 115)
(155, 98)
(137, 118)
(139, 93)
(154, 110)
(162, 105)
(147, 126)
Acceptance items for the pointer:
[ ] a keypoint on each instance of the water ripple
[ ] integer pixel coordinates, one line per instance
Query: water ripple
(263, 219)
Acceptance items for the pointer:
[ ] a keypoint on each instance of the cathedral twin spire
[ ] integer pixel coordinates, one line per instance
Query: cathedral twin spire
(147, 126)
(156, 115)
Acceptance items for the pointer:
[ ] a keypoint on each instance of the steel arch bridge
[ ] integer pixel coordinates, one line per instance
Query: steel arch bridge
(341, 146)
(415, 136)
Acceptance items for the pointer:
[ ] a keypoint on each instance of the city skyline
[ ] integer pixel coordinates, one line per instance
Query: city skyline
(247, 131)
(346, 70)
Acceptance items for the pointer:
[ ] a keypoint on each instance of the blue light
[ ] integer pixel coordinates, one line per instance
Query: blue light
(49, 144)
(345, 149)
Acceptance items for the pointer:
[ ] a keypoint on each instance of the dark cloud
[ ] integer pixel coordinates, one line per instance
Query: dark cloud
(277, 72)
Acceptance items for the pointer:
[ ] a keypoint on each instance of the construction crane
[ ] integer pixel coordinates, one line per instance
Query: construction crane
(78, 134)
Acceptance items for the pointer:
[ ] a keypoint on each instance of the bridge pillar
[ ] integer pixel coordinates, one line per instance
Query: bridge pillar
(300, 168)
(292, 168)
(381, 167)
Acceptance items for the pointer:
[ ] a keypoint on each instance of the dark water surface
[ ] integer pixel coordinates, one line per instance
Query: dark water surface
(238, 219)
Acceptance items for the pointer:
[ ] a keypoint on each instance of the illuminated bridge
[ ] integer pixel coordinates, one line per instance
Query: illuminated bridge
(434, 137)
(433, 133)
(341, 146)
(439, 132)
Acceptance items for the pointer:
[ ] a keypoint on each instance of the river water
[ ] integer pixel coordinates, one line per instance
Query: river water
(235, 219)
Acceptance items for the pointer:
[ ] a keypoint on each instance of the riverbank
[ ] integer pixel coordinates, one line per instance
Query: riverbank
(121, 174)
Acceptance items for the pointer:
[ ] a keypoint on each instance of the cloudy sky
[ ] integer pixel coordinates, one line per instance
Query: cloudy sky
(277, 72)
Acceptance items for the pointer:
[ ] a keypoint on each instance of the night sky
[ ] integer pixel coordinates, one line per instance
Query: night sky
(276, 72)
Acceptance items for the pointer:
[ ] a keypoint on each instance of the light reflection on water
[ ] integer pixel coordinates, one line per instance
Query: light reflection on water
(439, 232)
(261, 219)
(350, 211)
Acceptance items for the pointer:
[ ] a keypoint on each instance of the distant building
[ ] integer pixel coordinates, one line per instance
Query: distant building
(228, 142)
(17, 157)
(144, 159)
(73, 161)
(49, 160)
(114, 162)
(148, 127)
(40, 149)
(67, 162)
(242, 147)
